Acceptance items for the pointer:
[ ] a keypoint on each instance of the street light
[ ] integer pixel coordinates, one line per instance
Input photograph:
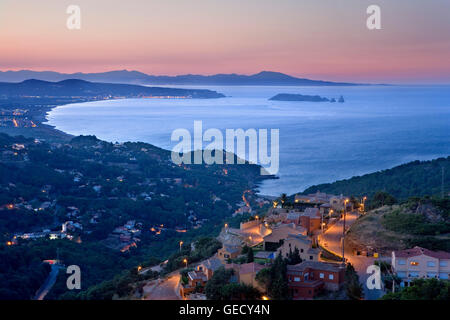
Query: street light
(343, 231)
(181, 244)
(186, 262)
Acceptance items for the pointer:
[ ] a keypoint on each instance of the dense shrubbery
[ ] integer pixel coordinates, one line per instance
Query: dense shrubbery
(422, 289)
(220, 288)
(21, 272)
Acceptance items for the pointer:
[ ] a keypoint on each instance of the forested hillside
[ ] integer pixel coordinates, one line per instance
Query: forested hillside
(418, 178)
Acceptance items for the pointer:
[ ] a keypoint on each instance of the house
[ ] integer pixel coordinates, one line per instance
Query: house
(419, 262)
(228, 252)
(196, 282)
(246, 273)
(293, 217)
(196, 279)
(338, 202)
(304, 246)
(209, 266)
(311, 219)
(279, 233)
(308, 278)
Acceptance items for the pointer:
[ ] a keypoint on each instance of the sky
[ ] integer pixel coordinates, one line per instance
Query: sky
(320, 39)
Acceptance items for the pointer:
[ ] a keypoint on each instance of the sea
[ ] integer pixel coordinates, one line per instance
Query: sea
(376, 128)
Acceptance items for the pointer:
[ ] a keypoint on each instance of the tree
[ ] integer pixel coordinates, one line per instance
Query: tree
(422, 289)
(380, 199)
(294, 257)
(214, 286)
(250, 256)
(353, 288)
(220, 288)
(274, 279)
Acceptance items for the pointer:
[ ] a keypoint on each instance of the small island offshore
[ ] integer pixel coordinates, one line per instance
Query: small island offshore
(305, 98)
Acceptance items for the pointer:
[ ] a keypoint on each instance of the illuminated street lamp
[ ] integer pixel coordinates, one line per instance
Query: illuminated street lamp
(181, 244)
(265, 297)
(186, 262)
(139, 268)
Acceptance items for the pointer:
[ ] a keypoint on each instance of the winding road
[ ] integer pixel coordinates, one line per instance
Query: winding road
(48, 284)
(163, 289)
(332, 241)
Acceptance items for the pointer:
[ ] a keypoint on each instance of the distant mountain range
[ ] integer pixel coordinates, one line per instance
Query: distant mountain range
(265, 78)
(81, 88)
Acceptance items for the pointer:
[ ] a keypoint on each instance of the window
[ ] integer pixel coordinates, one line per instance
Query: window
(401, 262)
(431, 264)
(296, 279)
(431, 274)
(310, 257)
(443, 275)
(443, 263)
(401, 274)
(301, 250)
(321, 276)
(413, 274)
(414, 263)
(331, 277)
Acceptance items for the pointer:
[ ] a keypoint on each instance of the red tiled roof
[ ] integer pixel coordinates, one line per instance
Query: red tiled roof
(417, 251)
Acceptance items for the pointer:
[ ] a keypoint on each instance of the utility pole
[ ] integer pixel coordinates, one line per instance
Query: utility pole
(442, 183)
(343, 232)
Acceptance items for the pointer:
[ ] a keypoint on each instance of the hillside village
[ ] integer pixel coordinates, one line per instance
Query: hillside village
(302, 234)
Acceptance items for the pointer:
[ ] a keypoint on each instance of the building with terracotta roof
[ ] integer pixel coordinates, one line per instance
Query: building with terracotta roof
(304, 246)
(228, 252)
(274, 240)
(419, 262)
(209, 266)
(307, 279)
(310, 219)
(246, 273)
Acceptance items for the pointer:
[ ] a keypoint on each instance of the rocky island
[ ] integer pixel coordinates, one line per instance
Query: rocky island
(305, 98)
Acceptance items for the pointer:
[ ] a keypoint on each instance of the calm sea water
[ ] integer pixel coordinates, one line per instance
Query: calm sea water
(378, 127)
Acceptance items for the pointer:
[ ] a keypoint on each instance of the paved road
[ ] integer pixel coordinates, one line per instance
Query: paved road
(332, 241)
(48, 284)
(163, 289)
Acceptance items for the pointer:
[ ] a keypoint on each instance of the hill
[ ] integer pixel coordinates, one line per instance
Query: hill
(417, 178)
(417, 222)
(81, 88)
(267, 78)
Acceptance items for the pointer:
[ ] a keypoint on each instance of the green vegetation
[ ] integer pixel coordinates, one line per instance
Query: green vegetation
(422, 289)
(379, 199)
(204, 248)
(417, 178)
(421, 222)
(353, 287)
(220, 288)
(273, 279)
(250, 256)
(100, 187)
(21, 272)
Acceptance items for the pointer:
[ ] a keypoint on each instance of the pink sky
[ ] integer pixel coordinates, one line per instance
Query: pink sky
(324, 39)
